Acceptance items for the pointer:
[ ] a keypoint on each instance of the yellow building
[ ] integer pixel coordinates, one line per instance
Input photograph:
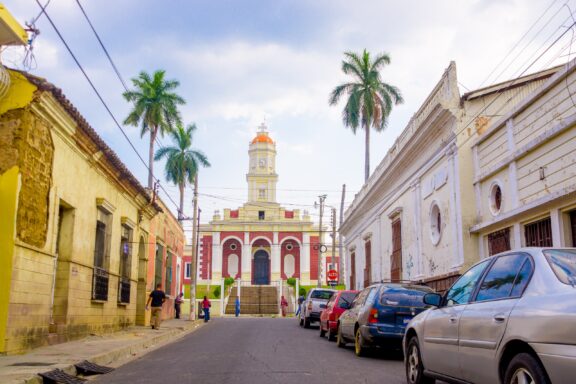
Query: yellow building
(76, 227)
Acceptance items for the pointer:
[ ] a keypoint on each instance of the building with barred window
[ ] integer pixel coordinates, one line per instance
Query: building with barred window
(468, 177)
(82, 242)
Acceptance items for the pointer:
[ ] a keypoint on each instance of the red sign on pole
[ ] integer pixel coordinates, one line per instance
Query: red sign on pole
(332, 274)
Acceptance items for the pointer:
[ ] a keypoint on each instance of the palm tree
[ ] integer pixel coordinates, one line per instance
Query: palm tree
(155, 109)
(182, 162)
(370, 100)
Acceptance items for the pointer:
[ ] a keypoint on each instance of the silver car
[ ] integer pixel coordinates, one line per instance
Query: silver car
(509, 319)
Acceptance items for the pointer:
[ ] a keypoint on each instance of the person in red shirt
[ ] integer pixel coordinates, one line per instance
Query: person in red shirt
(206, 308)
(284, 305)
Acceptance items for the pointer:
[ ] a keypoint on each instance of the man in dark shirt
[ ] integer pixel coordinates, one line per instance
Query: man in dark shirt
(157, 297)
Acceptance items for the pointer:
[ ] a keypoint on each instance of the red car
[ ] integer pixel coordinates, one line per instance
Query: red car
(339, 303)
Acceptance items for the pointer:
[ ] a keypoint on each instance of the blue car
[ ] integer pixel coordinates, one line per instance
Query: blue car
(379, 315)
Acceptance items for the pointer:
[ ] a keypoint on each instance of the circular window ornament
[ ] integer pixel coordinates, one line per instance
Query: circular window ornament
(233, 246)
(435, 223)
(289, 246)
(495, 199)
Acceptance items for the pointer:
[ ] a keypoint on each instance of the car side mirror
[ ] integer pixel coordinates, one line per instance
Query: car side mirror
(433, 299)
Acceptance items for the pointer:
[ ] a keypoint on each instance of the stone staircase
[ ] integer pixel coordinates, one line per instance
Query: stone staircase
(254, 300)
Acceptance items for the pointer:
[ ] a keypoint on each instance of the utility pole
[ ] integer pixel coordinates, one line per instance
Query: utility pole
(333, 258)
(194, 273)
(322, 198)
(342, 264)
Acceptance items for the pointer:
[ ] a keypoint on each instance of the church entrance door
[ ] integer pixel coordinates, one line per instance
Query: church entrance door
(261, 268)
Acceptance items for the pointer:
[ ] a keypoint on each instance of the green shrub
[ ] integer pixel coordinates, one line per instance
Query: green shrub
(228, 281)
(291, 281)
(217, 292)
(302, 291)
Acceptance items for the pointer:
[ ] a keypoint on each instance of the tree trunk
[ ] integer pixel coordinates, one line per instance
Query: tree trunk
(193, 272)
(181, 209)
(367, 154)
(153, 133)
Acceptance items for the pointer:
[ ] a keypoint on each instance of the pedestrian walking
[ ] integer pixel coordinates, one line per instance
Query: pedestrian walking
(177, 303)
(237, 306)
(157, 298)
(300, 301)
(206, 308)
(283, 305)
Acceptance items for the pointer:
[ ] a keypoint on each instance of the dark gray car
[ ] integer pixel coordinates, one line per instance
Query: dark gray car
(509, 319)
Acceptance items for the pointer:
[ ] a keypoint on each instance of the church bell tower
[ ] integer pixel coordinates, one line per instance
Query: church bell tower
(261, 176)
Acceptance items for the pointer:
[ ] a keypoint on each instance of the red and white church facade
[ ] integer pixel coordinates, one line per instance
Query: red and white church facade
(260, 242)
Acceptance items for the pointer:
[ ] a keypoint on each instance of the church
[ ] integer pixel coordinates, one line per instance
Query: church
(261, 242)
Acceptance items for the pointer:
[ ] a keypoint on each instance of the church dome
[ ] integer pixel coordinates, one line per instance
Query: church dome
(262, 136)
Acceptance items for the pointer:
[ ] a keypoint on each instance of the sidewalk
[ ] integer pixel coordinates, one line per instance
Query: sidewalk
(112, 350)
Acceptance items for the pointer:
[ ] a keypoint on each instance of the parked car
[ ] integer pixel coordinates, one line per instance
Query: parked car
(338, 303)
(379, 315)
(509, 319)
(314, 304)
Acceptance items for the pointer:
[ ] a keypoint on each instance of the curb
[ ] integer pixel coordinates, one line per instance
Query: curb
(126, 353)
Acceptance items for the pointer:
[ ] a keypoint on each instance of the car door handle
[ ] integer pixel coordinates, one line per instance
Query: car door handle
(453, 319)
(499, 318)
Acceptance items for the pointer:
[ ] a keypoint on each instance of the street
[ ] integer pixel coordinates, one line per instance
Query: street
(257, 350)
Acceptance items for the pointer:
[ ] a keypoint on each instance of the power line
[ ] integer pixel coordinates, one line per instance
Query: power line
(43, 10)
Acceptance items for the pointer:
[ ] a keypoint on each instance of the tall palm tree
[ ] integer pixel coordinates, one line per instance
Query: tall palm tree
(182, 162)
(155, 109)
(370, 100)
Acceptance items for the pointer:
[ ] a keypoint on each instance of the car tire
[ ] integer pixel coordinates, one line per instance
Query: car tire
(322, 331)
(525, 367)
(414, 366)
(306, 322)
(340, 343)
(359, 344)
(331, 336)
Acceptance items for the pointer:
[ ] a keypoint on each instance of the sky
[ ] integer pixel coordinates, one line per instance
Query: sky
(240, 63)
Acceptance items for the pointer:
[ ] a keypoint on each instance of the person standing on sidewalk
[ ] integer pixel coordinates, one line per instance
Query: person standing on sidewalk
(157, 298)
(284, 305)
(206, 308)
(237, 306)
(177, 303)
(300, 301)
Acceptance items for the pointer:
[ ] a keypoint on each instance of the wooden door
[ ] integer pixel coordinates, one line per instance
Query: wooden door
(368, 265)
(396, 259)
(261, 268)
(353, 270)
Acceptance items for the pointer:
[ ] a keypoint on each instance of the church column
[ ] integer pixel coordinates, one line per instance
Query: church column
(246, 258)
(305, 260)
(275, 258)
(216, 258)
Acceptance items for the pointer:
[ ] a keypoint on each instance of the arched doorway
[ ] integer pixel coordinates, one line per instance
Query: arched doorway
(261, 268)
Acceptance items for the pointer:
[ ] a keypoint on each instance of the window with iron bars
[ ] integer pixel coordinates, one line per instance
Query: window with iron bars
(100, 277)
(125, 264)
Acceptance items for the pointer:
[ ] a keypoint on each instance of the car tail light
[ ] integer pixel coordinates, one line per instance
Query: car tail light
(373, 318)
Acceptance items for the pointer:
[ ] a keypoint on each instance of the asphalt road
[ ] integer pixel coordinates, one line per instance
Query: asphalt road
(257, 350)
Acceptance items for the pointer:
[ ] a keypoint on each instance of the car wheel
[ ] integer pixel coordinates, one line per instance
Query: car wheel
(306, 322)
(322, 331)
(340, 343)
(331, 336)
(525, 369)
(359, 344)
(414, 367)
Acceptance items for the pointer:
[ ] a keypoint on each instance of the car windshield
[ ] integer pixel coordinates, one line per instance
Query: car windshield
(326, 295)
(347, 298)
(563, 263)
(404, 296)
